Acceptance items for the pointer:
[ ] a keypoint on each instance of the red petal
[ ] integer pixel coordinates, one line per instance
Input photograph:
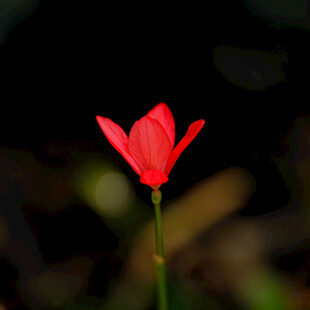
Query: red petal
(192, 132)
(162, 113)
(153, 178)
(149, 144)
(119, 140)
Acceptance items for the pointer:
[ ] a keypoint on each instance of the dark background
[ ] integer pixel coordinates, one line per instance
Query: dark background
(64, 62)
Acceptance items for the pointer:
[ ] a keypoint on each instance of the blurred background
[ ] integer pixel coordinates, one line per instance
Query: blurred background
(76, 228)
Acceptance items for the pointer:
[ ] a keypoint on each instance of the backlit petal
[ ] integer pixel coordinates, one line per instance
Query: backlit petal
(162, 113)
(192, 132)
(119, 140)
(153, 178)
(149, 144)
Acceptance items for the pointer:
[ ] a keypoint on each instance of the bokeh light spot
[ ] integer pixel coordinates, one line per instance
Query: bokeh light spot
(112, 194)
(54, 288)
(103, 188)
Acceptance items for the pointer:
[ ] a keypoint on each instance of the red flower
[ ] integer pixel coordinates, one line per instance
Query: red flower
(149, 147)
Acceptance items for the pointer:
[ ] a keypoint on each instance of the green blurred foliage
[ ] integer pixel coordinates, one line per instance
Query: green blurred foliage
(12, 12)
(249, 68)
(232, 258)
(282, 13)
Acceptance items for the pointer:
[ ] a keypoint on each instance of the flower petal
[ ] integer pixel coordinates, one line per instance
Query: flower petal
(162, 113)
(153, 178)
(118, 138)
(192, 132)
(149, 144)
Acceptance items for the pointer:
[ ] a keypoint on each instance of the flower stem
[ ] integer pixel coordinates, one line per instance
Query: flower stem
(160, 257)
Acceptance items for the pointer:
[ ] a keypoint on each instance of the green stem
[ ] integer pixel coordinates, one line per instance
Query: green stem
(160, 257)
